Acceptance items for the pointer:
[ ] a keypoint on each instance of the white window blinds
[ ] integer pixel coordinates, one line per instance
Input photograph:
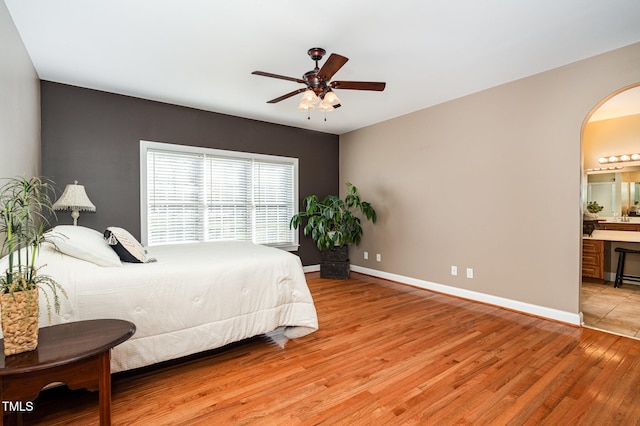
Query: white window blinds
(175, 197)
(274, 201)
(229, 201)
(196, 194)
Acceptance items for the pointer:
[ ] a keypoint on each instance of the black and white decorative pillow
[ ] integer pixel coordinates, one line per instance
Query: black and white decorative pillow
(125, 245)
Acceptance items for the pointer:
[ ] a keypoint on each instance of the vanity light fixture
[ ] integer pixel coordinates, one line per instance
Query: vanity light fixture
(602, 169)
(619, 158)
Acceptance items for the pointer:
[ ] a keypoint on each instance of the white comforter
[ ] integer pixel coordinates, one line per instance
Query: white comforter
(194, 298)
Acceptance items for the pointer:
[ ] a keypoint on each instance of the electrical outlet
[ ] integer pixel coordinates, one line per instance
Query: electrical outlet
(378, 257)
(454, 270)
(366, 255)
(469, 272)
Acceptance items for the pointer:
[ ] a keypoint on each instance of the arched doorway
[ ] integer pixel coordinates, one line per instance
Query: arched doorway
(611, 189)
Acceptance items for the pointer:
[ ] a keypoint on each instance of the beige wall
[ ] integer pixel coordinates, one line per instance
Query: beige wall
(19, 104)
(489, 181)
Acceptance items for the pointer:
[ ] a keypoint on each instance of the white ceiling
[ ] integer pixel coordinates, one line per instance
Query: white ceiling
(200, 53)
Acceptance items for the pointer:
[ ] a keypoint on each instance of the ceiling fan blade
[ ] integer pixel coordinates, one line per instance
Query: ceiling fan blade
(288, 95)
(331, 66)
(359, 85)
(281, 77)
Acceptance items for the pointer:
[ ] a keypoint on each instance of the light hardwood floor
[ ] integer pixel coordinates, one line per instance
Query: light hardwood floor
(385, 354)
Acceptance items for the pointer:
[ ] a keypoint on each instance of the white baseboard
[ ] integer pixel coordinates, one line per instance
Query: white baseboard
(541, 311)
(311, 268)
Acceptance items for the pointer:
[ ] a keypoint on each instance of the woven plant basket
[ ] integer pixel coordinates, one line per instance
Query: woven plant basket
(19, 321)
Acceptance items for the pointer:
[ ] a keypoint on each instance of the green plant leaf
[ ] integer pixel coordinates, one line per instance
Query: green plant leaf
(333, 221)
(25, 205)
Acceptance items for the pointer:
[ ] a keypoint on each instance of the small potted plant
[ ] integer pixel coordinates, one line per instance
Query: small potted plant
(24, 206)
(594, 207)
(333, 224)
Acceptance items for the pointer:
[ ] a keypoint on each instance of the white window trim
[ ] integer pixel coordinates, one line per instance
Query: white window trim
(149, 145)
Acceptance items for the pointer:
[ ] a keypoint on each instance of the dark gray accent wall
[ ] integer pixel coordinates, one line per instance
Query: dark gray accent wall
(94, 137)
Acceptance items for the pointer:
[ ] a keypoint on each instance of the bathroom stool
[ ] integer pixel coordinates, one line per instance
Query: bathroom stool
(620, 275)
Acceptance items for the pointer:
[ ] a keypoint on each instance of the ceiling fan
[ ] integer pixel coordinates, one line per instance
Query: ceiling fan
(318, 84)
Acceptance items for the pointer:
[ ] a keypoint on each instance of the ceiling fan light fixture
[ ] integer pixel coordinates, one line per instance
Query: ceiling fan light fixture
(325, 106)
(310, 97)
(318, 83)
(331, 99)
(305, 105)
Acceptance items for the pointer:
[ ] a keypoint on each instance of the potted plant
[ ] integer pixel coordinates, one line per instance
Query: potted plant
(594, 207)
(333, 224)
(24, 205)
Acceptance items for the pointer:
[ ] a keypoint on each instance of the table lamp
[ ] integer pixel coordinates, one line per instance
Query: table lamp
(74, 198)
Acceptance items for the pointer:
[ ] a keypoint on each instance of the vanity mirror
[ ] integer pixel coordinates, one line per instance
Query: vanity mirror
(618, 192)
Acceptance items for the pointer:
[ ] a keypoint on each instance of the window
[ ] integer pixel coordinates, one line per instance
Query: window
(193, 194)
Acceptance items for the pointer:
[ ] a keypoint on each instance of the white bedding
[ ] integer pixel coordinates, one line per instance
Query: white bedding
(194, 298)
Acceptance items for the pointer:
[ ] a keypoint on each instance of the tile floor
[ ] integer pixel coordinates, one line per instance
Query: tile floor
(611, 309)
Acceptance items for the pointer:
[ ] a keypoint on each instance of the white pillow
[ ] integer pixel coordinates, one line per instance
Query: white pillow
(83, 243)
(125, 245)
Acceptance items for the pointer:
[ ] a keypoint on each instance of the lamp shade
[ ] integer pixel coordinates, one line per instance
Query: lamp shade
(305, 106)
(310, 97)
(325, 106)
(74, 198)
(331, 99)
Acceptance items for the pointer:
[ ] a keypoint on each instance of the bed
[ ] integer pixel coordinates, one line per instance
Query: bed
(187, 299)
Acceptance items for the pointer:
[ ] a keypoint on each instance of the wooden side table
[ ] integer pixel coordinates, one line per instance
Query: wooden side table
(76, 353)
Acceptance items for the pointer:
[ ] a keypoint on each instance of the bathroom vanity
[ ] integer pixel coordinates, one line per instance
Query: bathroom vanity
(597, 249)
